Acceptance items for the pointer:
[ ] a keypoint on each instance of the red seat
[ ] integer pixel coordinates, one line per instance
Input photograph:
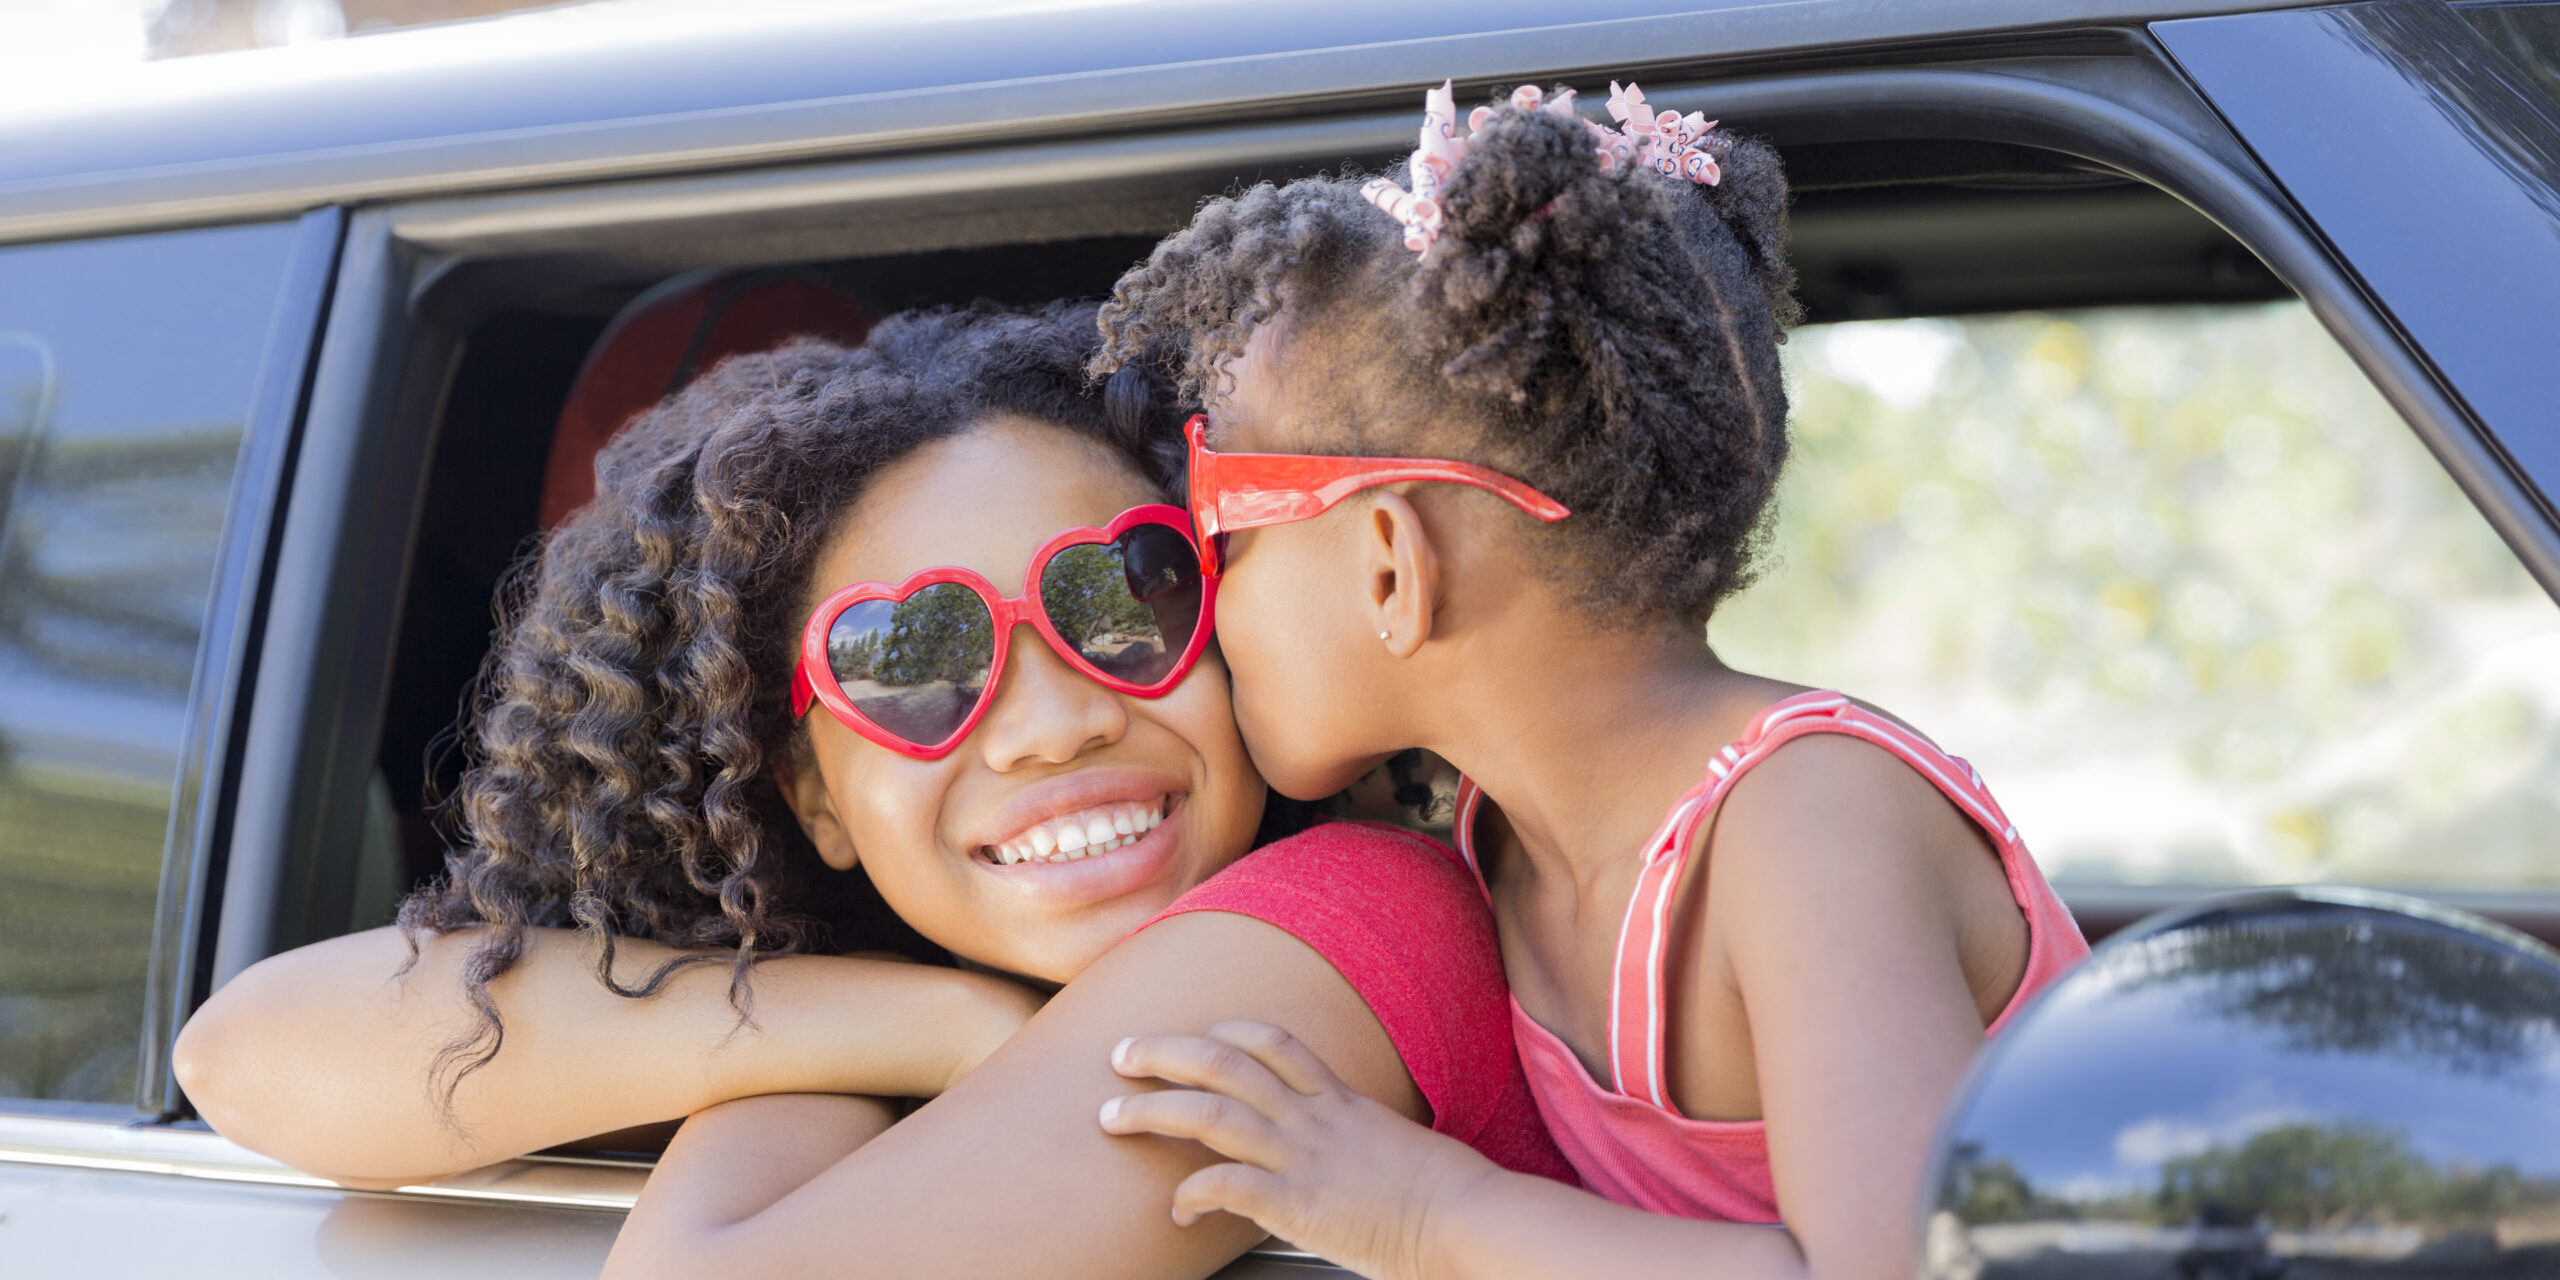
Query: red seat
(661, 340)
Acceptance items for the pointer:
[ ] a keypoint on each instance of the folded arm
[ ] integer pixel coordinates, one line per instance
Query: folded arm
(1008, 1173)
(323, 1057)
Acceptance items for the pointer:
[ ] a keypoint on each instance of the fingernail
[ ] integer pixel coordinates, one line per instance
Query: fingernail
(1120, 1053)
(1110, 1111)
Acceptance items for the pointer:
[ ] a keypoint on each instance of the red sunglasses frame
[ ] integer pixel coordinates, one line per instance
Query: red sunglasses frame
(1007, 612)
(1232, 491)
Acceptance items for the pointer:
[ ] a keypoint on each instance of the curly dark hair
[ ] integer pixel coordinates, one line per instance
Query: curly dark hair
(1610, 337)
(639, 685)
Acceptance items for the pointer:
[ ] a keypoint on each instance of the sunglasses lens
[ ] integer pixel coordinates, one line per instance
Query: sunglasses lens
(915, 667)
(1128, 606)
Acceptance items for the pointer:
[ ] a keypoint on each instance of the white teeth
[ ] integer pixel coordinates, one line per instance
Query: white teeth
(1080, 835)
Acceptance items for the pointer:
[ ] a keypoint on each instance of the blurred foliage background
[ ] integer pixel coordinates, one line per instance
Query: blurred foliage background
(2194, 599)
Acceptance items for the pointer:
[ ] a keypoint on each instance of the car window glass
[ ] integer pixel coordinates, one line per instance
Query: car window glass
(126, 372)
(2199, 605)
(2528, 33)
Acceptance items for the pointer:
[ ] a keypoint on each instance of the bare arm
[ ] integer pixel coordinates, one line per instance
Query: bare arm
(1832, 911)
(824, 1128)
(321, 1057)
(1334, 1172)
(1839, 922)
(1007, 1173)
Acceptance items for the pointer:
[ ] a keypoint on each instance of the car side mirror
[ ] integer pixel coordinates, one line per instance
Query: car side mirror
(2304, 1082)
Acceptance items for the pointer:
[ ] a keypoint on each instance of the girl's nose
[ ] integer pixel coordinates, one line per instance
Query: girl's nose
(1047, 712)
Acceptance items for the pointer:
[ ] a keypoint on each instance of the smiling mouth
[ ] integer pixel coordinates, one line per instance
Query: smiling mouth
(1086, 832)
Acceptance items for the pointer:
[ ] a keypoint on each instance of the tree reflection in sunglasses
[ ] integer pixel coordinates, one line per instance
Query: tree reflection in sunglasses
(917, 666)
(1104, 601)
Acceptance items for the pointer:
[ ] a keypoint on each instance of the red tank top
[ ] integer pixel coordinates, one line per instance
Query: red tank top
(1626, 1140)
(1401, 919)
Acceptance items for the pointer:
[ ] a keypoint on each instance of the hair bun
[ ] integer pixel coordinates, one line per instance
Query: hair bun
(1524, 161)
(1751, 200)
(1518, 167)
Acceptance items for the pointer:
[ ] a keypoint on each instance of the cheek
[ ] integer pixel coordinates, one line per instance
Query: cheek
(1297, 688)
(1269, 629)
(1201, 712)
(1279, 612)
(882, 798)
(889, 807)
(1229, 796)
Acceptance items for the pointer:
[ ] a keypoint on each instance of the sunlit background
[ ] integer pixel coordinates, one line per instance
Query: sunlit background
(2195, 600)
(57, 50)
(62, 41)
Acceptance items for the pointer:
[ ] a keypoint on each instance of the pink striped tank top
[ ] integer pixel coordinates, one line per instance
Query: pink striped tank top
(1626, 1139)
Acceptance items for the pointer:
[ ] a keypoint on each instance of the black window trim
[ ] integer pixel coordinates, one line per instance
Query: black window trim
(225, 666)
(332, 608)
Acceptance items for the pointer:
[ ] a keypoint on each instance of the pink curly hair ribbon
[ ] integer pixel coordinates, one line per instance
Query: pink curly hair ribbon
(1670, 143)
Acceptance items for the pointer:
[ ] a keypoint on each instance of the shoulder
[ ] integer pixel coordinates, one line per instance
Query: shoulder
(1818, 782)
(1391, 848)
(1404, 923)
(1359, 870)
(1832, 817)
(1382, 903)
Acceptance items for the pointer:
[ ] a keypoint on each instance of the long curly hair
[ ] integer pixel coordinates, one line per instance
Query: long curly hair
(639, 685)
(1610, 337)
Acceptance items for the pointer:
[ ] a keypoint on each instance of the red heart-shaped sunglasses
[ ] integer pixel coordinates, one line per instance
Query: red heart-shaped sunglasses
(914, 665)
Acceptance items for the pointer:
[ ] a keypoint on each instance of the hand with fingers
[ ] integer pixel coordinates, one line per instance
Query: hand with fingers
(1316, 1163)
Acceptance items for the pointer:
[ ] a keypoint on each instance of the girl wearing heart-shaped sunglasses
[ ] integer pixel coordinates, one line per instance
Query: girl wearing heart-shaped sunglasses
(913, 617)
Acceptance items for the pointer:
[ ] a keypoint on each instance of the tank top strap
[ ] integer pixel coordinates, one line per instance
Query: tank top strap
(1638, 1004)
(1638, 1007)
(1470, 800)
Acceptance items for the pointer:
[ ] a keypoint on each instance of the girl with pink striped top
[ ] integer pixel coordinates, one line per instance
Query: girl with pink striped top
(1481, 456)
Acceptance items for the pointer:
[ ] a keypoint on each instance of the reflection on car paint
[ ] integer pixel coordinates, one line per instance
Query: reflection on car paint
(2308, 1083)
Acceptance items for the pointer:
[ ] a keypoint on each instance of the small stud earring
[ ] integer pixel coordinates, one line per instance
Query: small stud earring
(1382, 635)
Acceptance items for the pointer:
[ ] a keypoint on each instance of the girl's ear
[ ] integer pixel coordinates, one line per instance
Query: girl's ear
(805, 790)
(1403, 573)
